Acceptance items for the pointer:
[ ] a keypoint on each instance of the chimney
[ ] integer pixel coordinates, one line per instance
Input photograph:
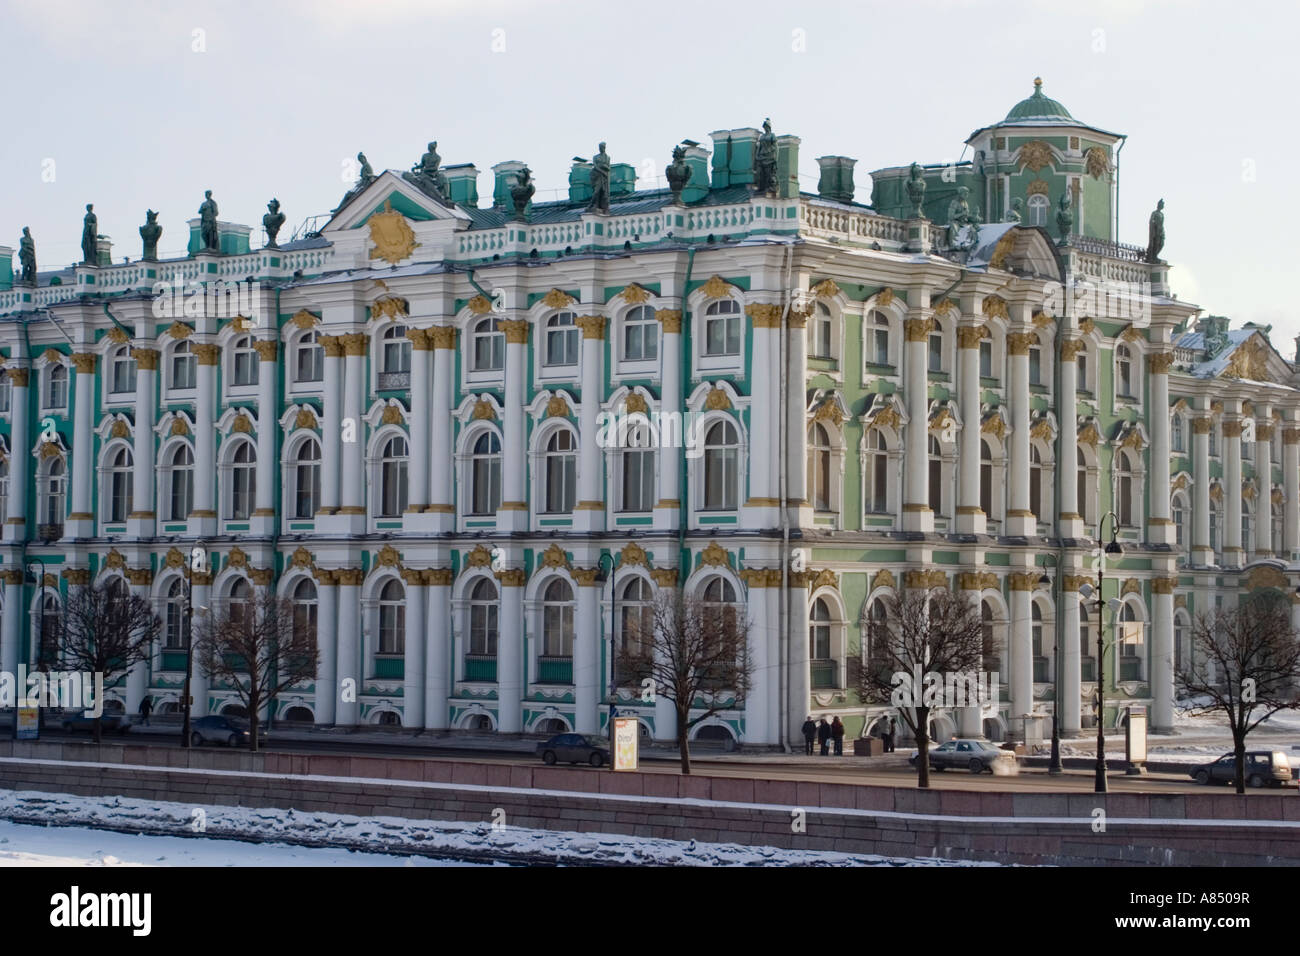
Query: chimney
(733, 156)
(697, 158)
(462, 184)
(580, 182)
(506, 174)
(622, 179)
(836, 181)
(6, 268)
(103, 251)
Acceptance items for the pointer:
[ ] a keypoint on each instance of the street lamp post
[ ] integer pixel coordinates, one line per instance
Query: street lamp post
(1112, 548)
(197, 553)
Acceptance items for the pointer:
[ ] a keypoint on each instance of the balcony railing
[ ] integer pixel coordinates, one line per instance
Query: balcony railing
(389, 381)
(390, 667)
(555, 670)
(480, 667)
(49, 532)
(825, 674)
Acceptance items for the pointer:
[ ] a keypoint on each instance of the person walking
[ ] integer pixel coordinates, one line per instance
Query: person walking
(890, 732)
(824, 737)
(837, 734)
(146, 708)
(809, 735)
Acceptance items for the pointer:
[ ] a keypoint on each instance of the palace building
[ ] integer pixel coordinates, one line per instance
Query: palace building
(407, 423)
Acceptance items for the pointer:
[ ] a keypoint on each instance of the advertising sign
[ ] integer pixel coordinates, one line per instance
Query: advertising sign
(1136, 734)
(627, 738)
(29, 723)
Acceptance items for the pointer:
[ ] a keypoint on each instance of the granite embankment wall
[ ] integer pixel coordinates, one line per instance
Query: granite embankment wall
(1140, 829)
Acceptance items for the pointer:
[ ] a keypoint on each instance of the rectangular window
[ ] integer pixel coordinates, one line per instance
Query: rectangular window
(1081, 363)
(936, 353)
(245, 368)
(936, 485)
(638, 481)
(986, 359)
(183, 371)
(880, 469)
(1035, 365)
(881, 346)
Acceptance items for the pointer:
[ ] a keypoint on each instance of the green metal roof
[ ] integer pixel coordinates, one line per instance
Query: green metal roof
(1038, 106)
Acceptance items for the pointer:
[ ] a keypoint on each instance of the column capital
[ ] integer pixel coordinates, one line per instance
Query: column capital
(266, 349)
(332, 344)
(764, 315)
(917, 330)
(146, 360)
(84, 362)
(1070, 348)
(355, 344)
(442, 336)
(1263, 433)
(419, 339)
(969, 336)
(1158, 363)
(1232, 428)
(593, 326)
(1204, 425)
(1018, 343)
(18, 376)
(1164, 585)
(208, 353)
(670, 319)
(516, 331)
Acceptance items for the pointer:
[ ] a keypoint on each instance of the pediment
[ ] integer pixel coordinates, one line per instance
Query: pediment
(391, 191)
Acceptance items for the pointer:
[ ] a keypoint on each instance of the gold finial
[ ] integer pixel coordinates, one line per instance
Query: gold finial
(1038, 83)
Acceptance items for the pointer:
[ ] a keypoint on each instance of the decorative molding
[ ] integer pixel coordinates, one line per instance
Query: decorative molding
(480, 557)
(977, 581)
(388, 557)
(480, 305)
(120, 429)
(1034, 155)
(715, 556)
(670, 319)
(483, 411)
(717, 288)
(555, 557)
(634, 294)
(635, 403)
(828, 289)
(1130, 586)
(883, 579)
(305, 319)
(1266, 576)
(558, 299)
(391, 307)
(593, 326)
(995, 308)
(391, 235)
(242, 424)
(634, 554)
(933, 578)
(392, 415)
(717, 400)
(557, 407)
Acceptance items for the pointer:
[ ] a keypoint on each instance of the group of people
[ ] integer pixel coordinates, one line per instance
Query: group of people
(826, 732)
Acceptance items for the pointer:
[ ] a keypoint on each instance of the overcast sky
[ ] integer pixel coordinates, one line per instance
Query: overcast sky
(135, 105)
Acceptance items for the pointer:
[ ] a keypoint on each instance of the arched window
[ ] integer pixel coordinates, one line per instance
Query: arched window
(1081, 482)
(488, 345)
(1277, 530)
(819, 467)
(640, 335)
(177, 626)
(56, 387)
(1035, 364)
(392, 477)
(120, 485)
(722, 328)
(989, 640)
(986, 358)
(179, 470)
(1087, 662)
(395, 357)
(304, 614)
(244, 361)
(121, 371)
(825, 672)
(243, 480)
(560, 466)
(1177, 432)
(721, 475)
(638, 470)
(306, 479)
(718, 607)
(557, 622)
(485, 475)
(238, 611)
(1081, 371)
(561, 339)
(392, 619)
(877, 472)
(878, 338)
(1036, 482)
(1247, 530)
(54, 492)
(1042, 664)
(1214, 439)
(1036, 210)
(481, 652)
(6, 391)
(183, 366)
(1124, 489)
(934, 353)
(986, 478)
(49, 624)
(1131, 644)
(819, 333)
(936, 475)
(309, 358)
(636, 633)
(1182, 647)
(1178, 513)
(877, 639)
(1123, 371)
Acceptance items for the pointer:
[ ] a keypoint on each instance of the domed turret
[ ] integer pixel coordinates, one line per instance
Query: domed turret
(1038, 107)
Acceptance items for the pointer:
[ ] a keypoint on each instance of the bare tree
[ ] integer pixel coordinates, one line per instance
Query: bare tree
(259, 648)
(697, 656)
(1244, 664)
(106, 630)
(927, 640)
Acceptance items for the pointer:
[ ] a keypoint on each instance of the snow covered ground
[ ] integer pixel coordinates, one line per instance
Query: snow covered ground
(270, 837)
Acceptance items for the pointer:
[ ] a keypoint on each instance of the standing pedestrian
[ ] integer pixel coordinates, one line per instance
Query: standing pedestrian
(837, 734)
(809, 735)
(891, 733)
(824, 737)
(146, 708)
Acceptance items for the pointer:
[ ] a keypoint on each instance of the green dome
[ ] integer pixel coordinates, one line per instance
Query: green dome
(1038, 106)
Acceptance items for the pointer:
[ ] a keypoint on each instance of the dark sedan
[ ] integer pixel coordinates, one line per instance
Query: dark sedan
(1263, 768)
(575, 748)
(110, 724)
(976, 756)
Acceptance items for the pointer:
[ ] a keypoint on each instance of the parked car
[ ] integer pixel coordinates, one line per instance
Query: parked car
(219, 729)
(1263, 767)
(110, 723)
(976, 756)
(575, 748)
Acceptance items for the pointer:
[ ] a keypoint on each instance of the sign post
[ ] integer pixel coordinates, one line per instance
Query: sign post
(1135, 740)
(626, 740)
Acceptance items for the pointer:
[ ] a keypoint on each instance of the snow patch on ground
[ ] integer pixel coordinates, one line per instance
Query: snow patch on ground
(279, 838)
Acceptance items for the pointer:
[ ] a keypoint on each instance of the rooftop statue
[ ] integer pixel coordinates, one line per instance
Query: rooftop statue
(150, 233)
(600, 169)
(427, 173)
(272, 222)
(89, 237)
(1064, 219)
(1156, 233)
(765, 160)
(958, 214)
(366, 177)
(916, 190)
(209, 235)
(1017, 213)
(27, 257)
(521, 192)
(678, 173)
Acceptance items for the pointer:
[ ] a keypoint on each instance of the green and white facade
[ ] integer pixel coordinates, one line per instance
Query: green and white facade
(404, 425)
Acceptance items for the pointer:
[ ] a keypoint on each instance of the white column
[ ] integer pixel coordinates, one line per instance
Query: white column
(1070, 521)
(418, 485)
(137, 676)
(1264, 483)
(1291, 488)
(591, 458)
(1020, 520)
(442, 501)
(587, 676)
(1162, 652)
(332, 434)
(1233, 556)
(1201, 553)
(438, 663)
(772, 597)
(414, 663)
(81, 519)
(15, 527)
(510, 651)
(327, 687)
(1071, 670)
(763, 674)
(1022, 650)
(917, 515)
(796, 453)
(205, 441)
(349, 646)
(141, 521)
(800, 677)
(514, 478)
(268, 429)
(10, 622)
(765, 321)
(1160, 527)
(200, 597)
(354, 452)
(669, 458)
(970, 518)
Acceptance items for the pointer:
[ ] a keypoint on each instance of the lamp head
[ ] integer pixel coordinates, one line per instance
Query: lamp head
(1085, 590)
(1114, 547)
